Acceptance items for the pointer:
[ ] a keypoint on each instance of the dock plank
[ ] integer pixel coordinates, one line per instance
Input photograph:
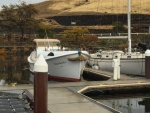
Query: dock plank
(63, 100)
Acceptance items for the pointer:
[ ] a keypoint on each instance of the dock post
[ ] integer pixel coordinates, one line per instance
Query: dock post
(40, 85)
(115, 65)
(118, 57)
(147, 64)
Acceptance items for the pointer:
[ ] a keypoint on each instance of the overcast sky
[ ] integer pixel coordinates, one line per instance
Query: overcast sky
(8, 2)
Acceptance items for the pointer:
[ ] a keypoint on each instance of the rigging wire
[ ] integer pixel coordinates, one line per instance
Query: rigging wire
(97, 10)
(139, 8)
(112, 9)
(121, 14)
(100, 13)
(117, 13)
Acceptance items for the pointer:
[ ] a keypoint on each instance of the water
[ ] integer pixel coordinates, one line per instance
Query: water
(12, 68)
(129, 104)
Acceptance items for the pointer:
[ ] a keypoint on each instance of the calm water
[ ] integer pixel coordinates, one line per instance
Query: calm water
(12, 68)
(130, 104)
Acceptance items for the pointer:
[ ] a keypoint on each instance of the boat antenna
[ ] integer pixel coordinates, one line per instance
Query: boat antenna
(129, 26)
(47, 37)
(46, 34)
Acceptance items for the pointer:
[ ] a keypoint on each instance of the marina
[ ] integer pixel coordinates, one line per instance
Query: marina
(75, 57)
(66, 97)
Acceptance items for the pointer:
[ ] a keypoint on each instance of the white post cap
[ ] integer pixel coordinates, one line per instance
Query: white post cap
(147, 52)
(40, 65)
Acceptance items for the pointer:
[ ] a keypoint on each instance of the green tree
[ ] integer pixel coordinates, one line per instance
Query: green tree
(8, 16)
(118, 27)
(18, 17)
(73, 37)
(45, 31)
(26, 20)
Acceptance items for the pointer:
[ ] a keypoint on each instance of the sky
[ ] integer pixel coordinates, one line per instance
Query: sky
(8, 2)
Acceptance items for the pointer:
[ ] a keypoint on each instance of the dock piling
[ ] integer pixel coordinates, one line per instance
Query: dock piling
(147, 64)
(118, 57)
(40, 85)
(115, 65)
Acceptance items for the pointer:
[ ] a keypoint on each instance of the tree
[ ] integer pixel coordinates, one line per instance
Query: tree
(45, 31)
(8, 15)
(25, 14)
(118, 27)
(89, 41)
(18, 17)
(73, 37)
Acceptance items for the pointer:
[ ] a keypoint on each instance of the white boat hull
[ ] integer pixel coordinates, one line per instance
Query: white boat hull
(135, 66)
(60, 68)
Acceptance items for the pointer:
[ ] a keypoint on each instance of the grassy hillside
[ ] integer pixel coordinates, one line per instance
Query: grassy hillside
(93, 7)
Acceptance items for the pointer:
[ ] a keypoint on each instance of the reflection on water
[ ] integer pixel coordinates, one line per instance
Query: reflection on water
(12, 68)
(129, 105)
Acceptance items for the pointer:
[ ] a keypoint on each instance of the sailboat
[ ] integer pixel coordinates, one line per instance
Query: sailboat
(131, 63)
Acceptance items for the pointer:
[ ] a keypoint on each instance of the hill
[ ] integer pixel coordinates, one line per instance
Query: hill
(51, 8)
(96, 15)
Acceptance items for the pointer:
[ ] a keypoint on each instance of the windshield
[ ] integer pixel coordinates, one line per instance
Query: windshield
(48, 43)
(40, 44)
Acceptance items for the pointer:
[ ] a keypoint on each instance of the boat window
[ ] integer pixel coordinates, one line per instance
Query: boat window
(40, 43)
(99, 55)
(48, 43)
(128, 56)
(56, 43)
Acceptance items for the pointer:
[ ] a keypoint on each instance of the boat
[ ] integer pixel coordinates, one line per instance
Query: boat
(131, 63)
(63, 65)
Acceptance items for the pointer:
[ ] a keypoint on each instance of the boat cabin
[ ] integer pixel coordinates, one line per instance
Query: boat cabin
(47, 42)
(47, 45)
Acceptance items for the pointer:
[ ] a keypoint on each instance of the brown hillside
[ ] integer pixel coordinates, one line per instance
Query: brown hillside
(51, 8)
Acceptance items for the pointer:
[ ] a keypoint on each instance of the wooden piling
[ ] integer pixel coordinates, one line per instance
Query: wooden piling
(40, 85)
(147, 64)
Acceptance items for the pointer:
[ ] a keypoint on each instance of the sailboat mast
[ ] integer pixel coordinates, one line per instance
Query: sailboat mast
(129, 26)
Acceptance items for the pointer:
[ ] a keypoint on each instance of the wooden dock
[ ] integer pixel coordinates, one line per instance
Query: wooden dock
(63, 98)
(68, 97)
(105, 75)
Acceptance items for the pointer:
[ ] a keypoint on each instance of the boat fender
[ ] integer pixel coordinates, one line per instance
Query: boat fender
(51, 54)
(33, 56)
(95, 66)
